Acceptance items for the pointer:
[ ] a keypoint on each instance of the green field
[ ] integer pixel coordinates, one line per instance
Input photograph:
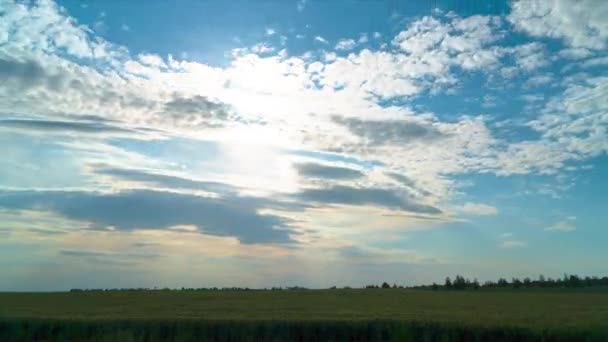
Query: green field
(309, 314)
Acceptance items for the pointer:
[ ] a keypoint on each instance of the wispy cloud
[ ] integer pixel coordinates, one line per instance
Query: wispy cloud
(564, 226)
(510, 244)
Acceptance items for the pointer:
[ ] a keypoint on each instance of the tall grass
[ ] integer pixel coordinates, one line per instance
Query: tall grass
(191, 330)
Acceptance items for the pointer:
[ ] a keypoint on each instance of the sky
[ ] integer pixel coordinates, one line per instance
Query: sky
(301, 143)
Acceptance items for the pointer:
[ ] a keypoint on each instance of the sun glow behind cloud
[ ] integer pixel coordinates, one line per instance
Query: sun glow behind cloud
(369, 146)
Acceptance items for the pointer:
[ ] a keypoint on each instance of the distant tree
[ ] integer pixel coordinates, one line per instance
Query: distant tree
(527, 282)
(459, 283)
(502, 282)
(574, 281)
(385, 285)
(541, 281)
(475, 284)
(448, 283)
(516, 283)
(435, 287)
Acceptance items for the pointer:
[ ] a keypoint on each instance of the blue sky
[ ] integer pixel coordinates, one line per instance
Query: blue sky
(308, 143)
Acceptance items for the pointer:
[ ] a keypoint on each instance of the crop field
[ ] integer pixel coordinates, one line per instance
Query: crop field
(378, 314)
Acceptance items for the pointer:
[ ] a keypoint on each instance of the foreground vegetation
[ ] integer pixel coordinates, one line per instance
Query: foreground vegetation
(360, 314)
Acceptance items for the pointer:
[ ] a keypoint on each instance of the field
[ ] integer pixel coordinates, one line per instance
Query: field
(378, 314)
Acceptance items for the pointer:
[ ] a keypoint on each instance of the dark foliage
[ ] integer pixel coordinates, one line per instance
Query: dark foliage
(184, 330)
(568, 281)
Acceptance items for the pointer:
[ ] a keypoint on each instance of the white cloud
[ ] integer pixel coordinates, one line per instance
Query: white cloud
(580, 23)
(321, 40)
(593, 62)
(346, 44)
(270, 31)
(262, 48)
(301, 5)
(575, 53)
(530, 56)
(509, 244)
(563, 226)
(538, 80)
(313, 92)
(152, 60)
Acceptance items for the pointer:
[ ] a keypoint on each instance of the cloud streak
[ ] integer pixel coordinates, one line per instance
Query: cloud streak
(138, 209)
(366, 196)
(314, 170)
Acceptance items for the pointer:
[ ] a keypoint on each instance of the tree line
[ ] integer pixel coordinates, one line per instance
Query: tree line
(458, 283)
(567, 281)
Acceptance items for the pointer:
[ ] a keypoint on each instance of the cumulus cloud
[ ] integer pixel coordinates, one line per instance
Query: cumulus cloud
(581, 24)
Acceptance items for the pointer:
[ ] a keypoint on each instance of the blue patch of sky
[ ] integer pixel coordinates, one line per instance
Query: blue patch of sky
(207, 30)
(186, 153)
(335, 157)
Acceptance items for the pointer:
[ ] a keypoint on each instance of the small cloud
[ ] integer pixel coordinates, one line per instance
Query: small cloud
(270, 31)
(363, 38)
(262, 48)
(478, 209)
(100, 27)
(125, 27)
(321, 40)
(377, 35)
(330, 57)
(575, 53)
(489, 101)
(142, 244)
(346, 44)
(506, 235)
(538, 80)
(301, 5)
(564, 226)
(513, 244)
(532, 97)
(152, 60)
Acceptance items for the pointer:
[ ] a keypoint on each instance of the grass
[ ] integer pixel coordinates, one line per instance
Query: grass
(381, 314)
